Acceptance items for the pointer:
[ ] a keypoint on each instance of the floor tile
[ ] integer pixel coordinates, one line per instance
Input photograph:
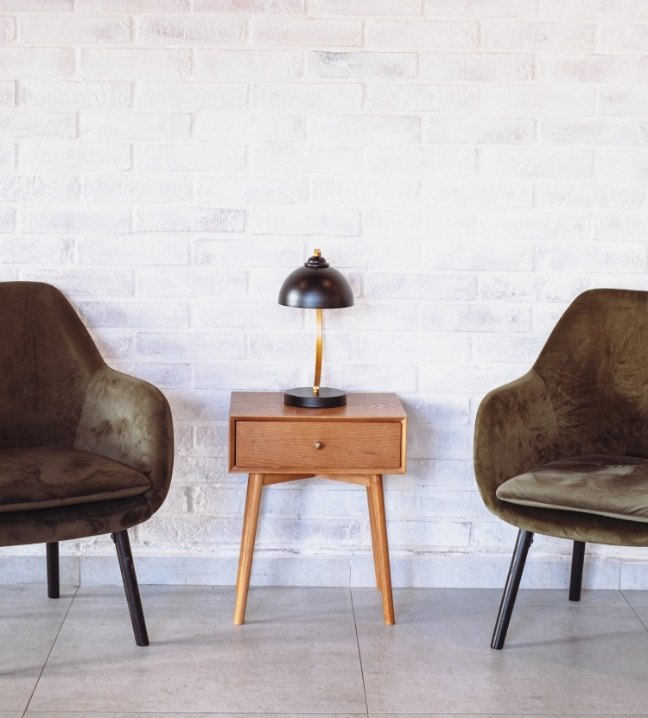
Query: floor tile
(157, 714)
(637, 599)
(557, 660)
(292, 656)
(30, 623)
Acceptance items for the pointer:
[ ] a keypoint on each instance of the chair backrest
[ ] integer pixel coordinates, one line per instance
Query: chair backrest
(595, 366)
(46, 360)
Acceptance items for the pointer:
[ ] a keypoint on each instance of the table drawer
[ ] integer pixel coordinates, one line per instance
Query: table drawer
(318, 446)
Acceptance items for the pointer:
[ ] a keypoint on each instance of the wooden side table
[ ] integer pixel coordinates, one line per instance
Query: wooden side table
(357, 443)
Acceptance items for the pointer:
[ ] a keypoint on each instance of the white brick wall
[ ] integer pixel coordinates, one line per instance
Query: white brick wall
(472, 165)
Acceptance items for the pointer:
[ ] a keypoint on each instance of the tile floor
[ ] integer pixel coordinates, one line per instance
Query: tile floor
(320, 653)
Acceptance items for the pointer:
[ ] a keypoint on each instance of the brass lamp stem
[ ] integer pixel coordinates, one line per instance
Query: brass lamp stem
(318, 353)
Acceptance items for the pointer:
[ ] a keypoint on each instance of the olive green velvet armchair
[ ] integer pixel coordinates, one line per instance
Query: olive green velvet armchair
(84, 449)
(563, 451)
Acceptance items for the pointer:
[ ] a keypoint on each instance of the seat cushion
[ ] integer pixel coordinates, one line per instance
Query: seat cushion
(45, 477)
(615, 486)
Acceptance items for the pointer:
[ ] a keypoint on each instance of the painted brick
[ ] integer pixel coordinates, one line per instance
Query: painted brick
(506, 256)
(135, 314)
(172, 96)
(478, 193)
(200, 156)
(67, 156)
(421, 223)
(7, 93)
(30, 125)
(532, 162)
(362, 65)
(371, 191)
(246, 127)
(134, 126)
(133, 250)
(424, 35)
(35, 5)
(481, 130)
(7, 29)
(289, 97)
(420, 286)
(73, 30)
(365, 8)
(277, 158)
(475, 67)
(7, 219)
(627, 257)
(538, 35)
(7, 156)
(624, 36)
(188, 219)
(121, 6)
(597, 131)
(238, 190)
(446, 162)
(624, 101)
(247, 64)
(77, 218)
(583, 193)
(538, 100)
(622, 164)
(421, 98)
(135, 64)
(220, 346)
(33, 249)
(190, 282)
(488, 8)
(238, 315)
(153, 30)
(69, 94)
(137, 188)
(226, 252)
(276, 220)
(621, 227)
(533, 224)
(26, 188)
(19, 62)
(85, 282)
(250, 6)
(307, 32)
(363, 129)
(588, 68)
(543, 288)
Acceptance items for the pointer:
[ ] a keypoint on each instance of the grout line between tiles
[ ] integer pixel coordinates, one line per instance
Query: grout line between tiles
(355, 627)
(633, 610)
(49, 653)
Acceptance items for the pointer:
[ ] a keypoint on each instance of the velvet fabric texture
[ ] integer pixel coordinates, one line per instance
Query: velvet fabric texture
(586, 395)
(615, 486)
(84, 449)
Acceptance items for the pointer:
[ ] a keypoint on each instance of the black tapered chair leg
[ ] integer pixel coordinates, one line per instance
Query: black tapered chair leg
(130, 587)
(576, 578)
(53, 580)
(522, 545)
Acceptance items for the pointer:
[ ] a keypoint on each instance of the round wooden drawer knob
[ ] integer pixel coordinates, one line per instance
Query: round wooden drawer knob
(319, 445)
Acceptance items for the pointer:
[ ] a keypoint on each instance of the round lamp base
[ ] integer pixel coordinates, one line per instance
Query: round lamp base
(326, 399)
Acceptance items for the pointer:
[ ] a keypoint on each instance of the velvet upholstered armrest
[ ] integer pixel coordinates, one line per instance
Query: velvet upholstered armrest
(128, 420)
(515, 430)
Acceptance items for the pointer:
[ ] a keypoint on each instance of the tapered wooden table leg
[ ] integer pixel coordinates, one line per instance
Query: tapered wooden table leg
(248, 536)
(378, 502)
(374, 546)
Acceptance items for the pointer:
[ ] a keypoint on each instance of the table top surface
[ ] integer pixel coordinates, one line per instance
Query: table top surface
(270, 405)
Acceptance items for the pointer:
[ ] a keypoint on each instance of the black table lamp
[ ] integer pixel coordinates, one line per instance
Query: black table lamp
(317, 286)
